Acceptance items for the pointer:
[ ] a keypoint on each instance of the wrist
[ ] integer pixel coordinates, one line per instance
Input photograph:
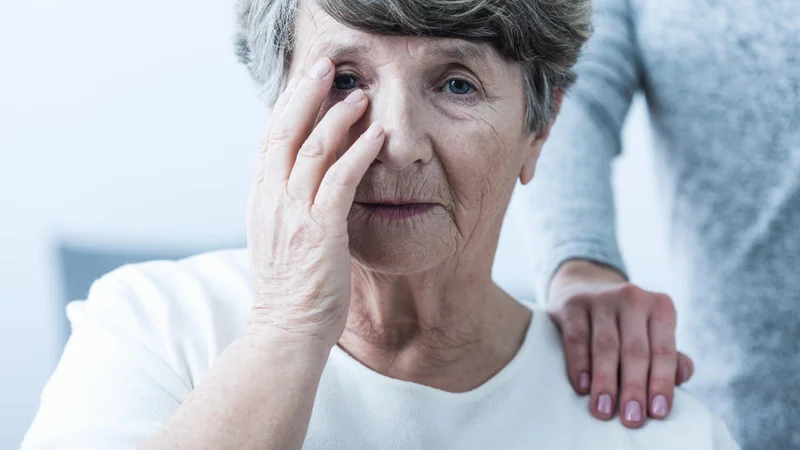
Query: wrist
(578, 275)
(297, 326)
(271, 338)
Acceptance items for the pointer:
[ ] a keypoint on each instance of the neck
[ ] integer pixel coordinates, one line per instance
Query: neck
(433, 328)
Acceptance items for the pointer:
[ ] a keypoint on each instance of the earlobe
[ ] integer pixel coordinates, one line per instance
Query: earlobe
(529, 165)
(526, 174)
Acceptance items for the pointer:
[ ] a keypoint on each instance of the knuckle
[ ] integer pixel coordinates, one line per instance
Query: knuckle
(279, 135)
(578, 301)
(636, 350)
(663, 350)
(341, 175)
(312, 148)
(606, 343)
(635, 302)
(576, 336)
(629, 291)
(663, 305)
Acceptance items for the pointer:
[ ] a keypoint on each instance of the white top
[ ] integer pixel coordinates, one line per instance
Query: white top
(149, 332)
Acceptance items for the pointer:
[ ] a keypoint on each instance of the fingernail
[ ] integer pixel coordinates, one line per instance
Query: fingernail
(604, 404)
(659, 406)
(321, 68)
(355, 96)
(584, 381)
(374, 131)
(633, 411)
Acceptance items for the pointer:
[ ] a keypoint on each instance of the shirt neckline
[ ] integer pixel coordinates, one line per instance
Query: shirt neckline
(365, 374)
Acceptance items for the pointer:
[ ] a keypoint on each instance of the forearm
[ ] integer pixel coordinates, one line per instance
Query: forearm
(257, 395)
(570, 206)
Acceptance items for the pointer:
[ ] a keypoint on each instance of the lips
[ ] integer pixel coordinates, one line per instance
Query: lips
(396, 210)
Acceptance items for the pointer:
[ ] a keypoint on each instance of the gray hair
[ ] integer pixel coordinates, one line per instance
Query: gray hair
(544, 36)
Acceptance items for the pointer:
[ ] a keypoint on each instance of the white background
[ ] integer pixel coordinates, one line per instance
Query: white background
(131, 123)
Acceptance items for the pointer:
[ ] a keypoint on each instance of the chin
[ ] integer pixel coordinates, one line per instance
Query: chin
(403, 246)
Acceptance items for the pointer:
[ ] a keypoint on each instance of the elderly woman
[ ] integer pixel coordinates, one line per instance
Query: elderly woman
(362, 314)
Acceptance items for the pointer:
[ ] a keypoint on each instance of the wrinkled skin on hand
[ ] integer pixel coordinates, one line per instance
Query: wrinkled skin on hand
(297, 216)
(619, 341)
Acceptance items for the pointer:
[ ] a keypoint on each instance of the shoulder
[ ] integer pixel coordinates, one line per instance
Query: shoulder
(185, 311)
(690, 425)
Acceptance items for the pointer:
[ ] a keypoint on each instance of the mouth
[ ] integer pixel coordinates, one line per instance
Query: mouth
(391, 210)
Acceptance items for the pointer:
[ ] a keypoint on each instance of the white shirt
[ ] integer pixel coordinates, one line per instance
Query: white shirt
(148, 333)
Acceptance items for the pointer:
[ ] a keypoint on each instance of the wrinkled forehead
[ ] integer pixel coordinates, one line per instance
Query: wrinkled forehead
(318, 34)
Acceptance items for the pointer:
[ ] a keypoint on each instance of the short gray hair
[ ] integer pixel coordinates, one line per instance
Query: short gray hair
(544, 36)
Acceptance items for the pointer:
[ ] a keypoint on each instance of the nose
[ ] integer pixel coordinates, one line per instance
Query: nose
(401, 111)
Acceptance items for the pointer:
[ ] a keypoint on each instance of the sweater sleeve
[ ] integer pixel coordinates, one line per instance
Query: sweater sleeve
(569, 205)
(111, 389)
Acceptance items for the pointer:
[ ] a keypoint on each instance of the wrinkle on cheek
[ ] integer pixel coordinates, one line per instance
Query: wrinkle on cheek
(479, 182)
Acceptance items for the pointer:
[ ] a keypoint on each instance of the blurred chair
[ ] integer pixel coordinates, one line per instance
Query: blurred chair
(80, 266)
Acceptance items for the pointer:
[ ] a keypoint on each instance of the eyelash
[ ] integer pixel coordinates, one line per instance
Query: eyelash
(457, 97)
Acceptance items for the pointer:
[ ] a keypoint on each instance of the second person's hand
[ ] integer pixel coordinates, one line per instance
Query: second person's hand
(619, 341)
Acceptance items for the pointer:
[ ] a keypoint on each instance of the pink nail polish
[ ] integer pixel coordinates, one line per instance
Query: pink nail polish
(633, 411)
(659, 406)
(604, 404)
(584, 381)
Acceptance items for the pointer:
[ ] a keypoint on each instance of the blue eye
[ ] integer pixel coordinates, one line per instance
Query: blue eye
(459, 87)
(345, 82)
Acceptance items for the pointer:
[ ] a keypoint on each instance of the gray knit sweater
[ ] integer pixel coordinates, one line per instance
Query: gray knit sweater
(722, 82)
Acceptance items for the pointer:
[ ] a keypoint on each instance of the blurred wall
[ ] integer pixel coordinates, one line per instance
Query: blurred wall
(130, 124)
(123, 124)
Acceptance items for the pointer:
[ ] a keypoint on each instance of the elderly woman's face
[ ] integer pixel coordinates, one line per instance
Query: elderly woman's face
(453, 112)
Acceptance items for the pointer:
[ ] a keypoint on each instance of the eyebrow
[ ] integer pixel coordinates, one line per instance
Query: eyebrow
(458, 51)
(338, 50)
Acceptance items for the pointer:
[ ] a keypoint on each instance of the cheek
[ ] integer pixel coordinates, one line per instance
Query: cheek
(479, 165)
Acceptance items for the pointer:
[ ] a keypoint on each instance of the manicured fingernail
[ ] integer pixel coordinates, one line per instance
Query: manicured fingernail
(659, 406)
(321, 68)
(633, 411)
(584, 381)
(355, 96)
(604, 404)
(374, 131)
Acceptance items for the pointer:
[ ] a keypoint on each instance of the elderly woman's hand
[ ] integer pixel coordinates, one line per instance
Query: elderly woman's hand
(617, 337)
(297, 217)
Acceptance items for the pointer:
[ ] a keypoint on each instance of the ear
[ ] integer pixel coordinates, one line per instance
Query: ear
(536, 141)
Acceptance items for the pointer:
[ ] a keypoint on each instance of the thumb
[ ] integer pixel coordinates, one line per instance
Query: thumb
(684, 369)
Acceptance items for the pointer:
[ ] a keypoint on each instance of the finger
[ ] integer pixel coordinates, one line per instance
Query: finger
(685, 369)
(318, 152)
(339, 184)
(664, 358)
(635, 364)
(605, 362)
(281, 102)
(576, 335)
(294, 123)
(277, 110)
